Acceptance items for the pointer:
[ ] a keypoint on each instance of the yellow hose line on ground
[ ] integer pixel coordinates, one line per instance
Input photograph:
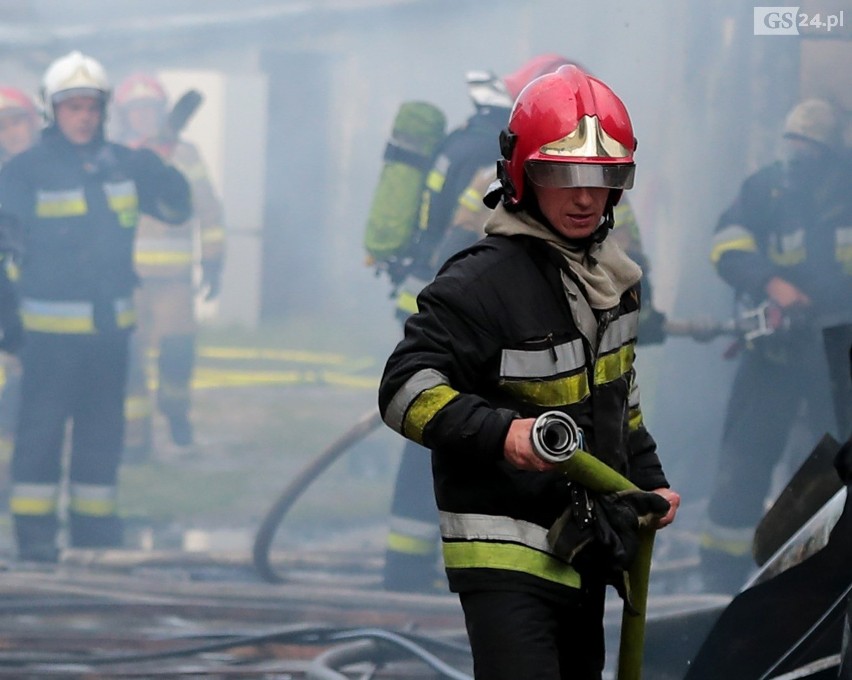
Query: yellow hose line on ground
(298, 356)
(208, 378)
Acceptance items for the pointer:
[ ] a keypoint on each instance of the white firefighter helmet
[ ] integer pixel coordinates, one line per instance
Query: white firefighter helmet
(817, 121)
(75, 74)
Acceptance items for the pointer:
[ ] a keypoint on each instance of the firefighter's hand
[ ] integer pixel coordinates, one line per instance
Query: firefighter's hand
(211, 279)
(518, 450)
(12, 335)
(674, 503)
(785, 294)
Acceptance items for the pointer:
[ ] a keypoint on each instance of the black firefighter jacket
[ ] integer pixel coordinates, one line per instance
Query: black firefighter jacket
(78, 208)
(777, 227)
(496, 338)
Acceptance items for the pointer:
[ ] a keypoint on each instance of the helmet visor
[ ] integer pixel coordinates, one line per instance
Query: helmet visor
(92, 92)
(558, 175)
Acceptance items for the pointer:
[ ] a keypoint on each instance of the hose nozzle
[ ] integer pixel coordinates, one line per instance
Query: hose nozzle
(555, 437)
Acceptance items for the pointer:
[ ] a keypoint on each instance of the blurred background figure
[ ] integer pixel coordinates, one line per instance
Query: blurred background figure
(784, 241)
(19, 128)
(165, 259)
(77, 198)
(19, 122)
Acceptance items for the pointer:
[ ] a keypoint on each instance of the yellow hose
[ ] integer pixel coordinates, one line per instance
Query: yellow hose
(583, 468)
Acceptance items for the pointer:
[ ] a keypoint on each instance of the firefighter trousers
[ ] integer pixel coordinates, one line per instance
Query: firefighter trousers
(166, 328)
(412, 552)
(80, 378)
(522, 636)
(765, 399)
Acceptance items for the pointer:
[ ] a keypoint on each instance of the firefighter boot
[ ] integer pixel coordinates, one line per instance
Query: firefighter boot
(91, 531)
(36, 538)
(181, 429)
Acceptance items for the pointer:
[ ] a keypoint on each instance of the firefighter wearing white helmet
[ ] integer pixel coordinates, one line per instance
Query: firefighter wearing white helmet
(78, 200)
(74, 75)
(785, 239)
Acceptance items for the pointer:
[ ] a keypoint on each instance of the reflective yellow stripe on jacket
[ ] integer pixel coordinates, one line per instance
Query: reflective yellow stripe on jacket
(553, 376)
(416, 403)
(163, 252)
(476, 541)
(406, 299)
(788, 249)
(732, 237)
(411, 536)
(71, 317)
(67, 203)
(558, 376)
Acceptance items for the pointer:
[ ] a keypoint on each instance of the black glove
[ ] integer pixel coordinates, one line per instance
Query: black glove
(599, 534)
(167, 183)
(652, 327)
(619, 518)
(13, 335)
(573, 531)
(211, 278)
(11, 235)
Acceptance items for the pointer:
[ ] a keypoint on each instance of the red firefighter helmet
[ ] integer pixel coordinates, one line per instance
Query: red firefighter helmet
(140, 87)
(567, 129)
(13, 100)
(534, 68)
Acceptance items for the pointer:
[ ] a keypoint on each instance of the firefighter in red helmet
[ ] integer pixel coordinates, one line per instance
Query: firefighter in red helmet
(164, 257)
(19, 122)
(539, 315)
(456, 219)
(19, 127)
(412, 555)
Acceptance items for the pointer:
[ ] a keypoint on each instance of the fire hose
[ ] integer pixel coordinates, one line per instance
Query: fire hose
(269, 526)
(557, 439)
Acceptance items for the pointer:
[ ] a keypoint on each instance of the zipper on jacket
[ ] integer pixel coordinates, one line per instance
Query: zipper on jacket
(552, 346)
(603, 324)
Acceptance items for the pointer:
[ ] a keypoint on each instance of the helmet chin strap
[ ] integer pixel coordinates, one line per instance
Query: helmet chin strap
(607, 222)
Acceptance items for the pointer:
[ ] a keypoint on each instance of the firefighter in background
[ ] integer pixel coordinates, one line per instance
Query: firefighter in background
(19, 128)
(165, 257)
(541, 314)
(786, 239)
(11, 328)
(19, 122)
(78, 198)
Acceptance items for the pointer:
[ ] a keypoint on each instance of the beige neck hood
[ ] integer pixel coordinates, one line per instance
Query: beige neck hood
(605, 271)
